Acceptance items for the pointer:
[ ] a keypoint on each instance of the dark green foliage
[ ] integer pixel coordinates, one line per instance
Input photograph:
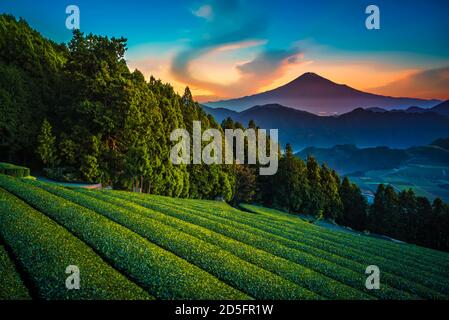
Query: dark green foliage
(332, 203)
(245, 187)
(440, 225)
(62, 174)
(315, 203)
(46, 147)
(29, 80)
(409, 218)
(121, 125)
(300, 187)
(292, 186)
(355, 206)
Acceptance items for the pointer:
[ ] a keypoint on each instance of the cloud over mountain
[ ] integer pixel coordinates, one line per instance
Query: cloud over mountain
(232, 25)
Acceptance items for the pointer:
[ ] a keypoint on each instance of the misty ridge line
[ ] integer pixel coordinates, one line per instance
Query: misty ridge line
(189, 151)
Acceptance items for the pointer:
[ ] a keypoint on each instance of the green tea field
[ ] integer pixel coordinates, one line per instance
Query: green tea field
(138, 246)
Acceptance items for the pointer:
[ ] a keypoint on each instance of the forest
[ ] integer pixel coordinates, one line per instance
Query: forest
(75, 112)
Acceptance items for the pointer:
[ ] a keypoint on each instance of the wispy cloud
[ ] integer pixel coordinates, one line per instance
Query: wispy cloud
(432, 83)
(205, 12)
(270, 62)
(234, 28)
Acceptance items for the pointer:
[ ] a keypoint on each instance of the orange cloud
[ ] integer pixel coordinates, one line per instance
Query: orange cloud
(230, 79)
(426, 84)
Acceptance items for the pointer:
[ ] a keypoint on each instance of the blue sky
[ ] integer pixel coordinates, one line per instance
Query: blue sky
(234, 47)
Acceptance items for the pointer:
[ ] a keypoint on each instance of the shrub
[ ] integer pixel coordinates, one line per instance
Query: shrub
(13, 170)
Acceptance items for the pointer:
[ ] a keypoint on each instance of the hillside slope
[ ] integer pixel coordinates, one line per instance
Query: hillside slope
(160, 247)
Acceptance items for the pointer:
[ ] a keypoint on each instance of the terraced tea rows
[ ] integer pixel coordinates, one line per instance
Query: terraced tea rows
(44, 250)
(137, 246)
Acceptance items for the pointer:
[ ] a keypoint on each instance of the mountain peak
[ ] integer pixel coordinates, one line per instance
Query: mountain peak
(310, 77)
(310, 83)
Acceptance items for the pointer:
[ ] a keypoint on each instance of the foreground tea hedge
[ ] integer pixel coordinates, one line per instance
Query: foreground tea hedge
(168, 248)
(413, 278)
(394, 274)
(45, 249)
(160, 272)
(239, 273)
(305, 277)
(12, 287)
(430, 275)
(342, 269)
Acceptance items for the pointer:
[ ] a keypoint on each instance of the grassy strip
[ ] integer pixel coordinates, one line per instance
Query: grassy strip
(397, 270)
(313, 248)
(264, 242)
(12, 287)
(240, 274)
(310, 279)
(155, 269)
(423, 260)
(44, 250)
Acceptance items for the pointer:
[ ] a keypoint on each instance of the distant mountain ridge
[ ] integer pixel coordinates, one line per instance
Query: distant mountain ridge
(347, 159)
(318, 95)
(363, 128)
(442, 109)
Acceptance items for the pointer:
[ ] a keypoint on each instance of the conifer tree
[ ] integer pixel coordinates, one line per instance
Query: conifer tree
(315, 203)
(332, 205)
(47, 145)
